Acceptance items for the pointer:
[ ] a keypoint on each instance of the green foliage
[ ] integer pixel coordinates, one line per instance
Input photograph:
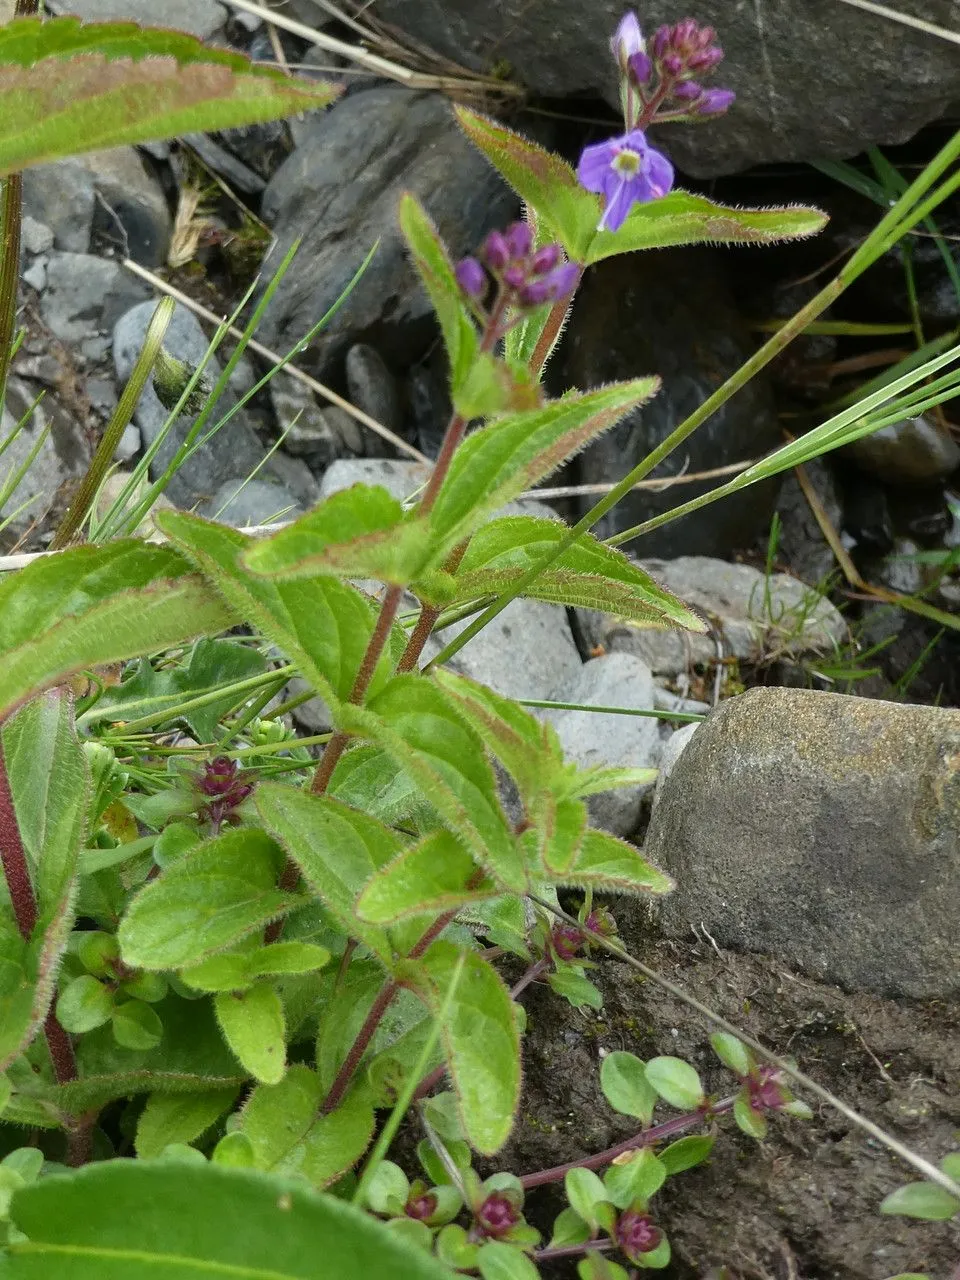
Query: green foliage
(927, 1199)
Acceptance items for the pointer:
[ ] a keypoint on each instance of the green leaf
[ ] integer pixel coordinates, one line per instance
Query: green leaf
(604, 862)
(499, 1261)
(685, 1153)
(84, 1004)
(588, 574)
(94, 605)
(676, 1082)
(387, 1189)
(733, 1053)
(136, 1025)
(585, 1194)
(337, 849)
(575, 987)
(684, 218)
(950, 1164)
(569, 1228)
(596, 1266)
(253, 1026)
(170, 1117)
(922, 1200)
(481, 1042)
(121, 1218)
(639, 1175)
(751, 1122)
(235, 1150)
(49, 782)
(657, 1258)
(360, 532)
(67, 88)
(420, 728)
(323, 625)
(204, 902)
(433, 876)
(367, 778)
(500, 461)
(280, 958)
(623, 1079)
(290, 1136)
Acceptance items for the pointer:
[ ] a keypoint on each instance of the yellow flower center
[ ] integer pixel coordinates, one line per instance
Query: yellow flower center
(627, 163)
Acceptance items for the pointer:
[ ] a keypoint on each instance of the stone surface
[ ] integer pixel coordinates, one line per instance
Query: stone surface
(235, 450)
(670, 313)
(36, 237)
(802, 544)
(85, 294)
(200, 17)
(753, 615)
(823, 830)
(399, 477)
(899, 79)
(915, 451)
(593, 738)
(339, 191)
(61, 196)
(318, 435)
(371, 385)
(252, 503)
(670, 753)
(61, 460)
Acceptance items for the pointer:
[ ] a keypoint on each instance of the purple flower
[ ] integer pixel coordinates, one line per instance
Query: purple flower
(687, 90)
(471, 277)
(519, 238)
(627, 40)
(639, 68)
(554, 285)
(496, 251)
(715, 101)
(636, 1234)
(545, 259)
(496, 1216)
(625, 171)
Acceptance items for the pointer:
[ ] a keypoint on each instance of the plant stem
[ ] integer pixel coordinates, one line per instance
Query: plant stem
(61, 1049)
(572, 1250)
(645, 1138)
(552, 329)
(11, 211)
(429, 616)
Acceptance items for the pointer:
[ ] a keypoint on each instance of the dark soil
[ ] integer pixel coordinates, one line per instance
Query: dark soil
(803, 1205)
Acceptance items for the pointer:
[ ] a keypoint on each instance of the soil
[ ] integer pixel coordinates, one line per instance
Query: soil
(803, 1204)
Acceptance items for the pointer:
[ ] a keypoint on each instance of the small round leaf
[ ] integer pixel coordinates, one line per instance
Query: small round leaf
(136, 1025)
(676, 1082)
(84, 1004)
(625, 1086)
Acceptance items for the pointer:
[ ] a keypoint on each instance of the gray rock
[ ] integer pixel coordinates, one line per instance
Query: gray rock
(36, 237)
(199, 17)
(399, 477)
(899, 80)
(61, 460)
(61, 197)
(670, 753)
(339, 191)
(319, 436)
(593, 738)
(235, 450)
(251, 503)
(371, 385)
(823, 830)
(665, 700)
(802, 543)
(670, 313)
(915, 451)
(754, 616)
(130, 444)
(36, 275)
(85, 294)
(296, 476)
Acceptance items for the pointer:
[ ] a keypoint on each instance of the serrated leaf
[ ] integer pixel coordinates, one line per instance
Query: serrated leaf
(500, 461)
(432, 876)
(216, 894)
(253, 1026)
(480, 1038)
(360, 532)
(49, 782)
(588, 574)
(625, 1086)
(676, 1082)
(686, 1153)
(639, 1175)
(337, 849)
(683, 218)
(368, 779)
(323, 625)
(67, 88)
(922, 1200)
(118, 1218)
(289, 1135)
(90, 606)
(606, 862)
(169, 1117)
(420, 728)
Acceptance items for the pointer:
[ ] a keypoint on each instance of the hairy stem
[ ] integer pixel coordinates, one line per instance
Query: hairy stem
(429, 615)
(11, 210)
(552, 329)
(645, 1138)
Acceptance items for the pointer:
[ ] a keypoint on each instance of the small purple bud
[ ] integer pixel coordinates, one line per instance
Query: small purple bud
(660, 41)
(705, 37)
(497, 1215)
(471, 277)
(496, 251)
(545, 259)
(640, 68)
(672, 64)
(534, 294)
(715, 101)
(563, 279)
(628, 38)
(687, 90)
(421, 1207)
(515, 276)
(636, 1234)
(765, 1091)
(705, 61)
(519, 239)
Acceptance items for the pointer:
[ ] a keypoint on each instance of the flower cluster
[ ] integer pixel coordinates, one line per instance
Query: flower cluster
(657, 83)
(636, 1234)
(222, 785)
(527, 277)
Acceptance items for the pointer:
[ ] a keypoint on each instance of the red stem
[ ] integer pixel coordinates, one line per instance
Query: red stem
(572, 1250)
(645, 1138)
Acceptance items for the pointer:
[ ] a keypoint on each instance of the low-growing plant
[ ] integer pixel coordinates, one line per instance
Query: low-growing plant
(245, 965)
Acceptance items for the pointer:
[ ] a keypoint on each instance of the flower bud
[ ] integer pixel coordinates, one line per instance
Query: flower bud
(471, 277)
(515, 276)
(636, 1234)
(705, 61)
(640, 68)
(496, 251)
(660, 41)
(545, 259)
(715, 101)
(497, 1215)
(627, 40)
(519, 239)
(687, 91)
(672, 64)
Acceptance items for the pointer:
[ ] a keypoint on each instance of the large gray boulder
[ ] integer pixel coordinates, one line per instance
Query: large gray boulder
(813, 78)
(823, 830)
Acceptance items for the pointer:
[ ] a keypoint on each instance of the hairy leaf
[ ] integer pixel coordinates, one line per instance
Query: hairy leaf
(175, 1221)
(94, 605)
(204, 902)
(179, 1117)
(254, 1027)
(588, 574)
(605, 862)
(290, 1136)
(67, 88)
(430, 877)
(323, 625)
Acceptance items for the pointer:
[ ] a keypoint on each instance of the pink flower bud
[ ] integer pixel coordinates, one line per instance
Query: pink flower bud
(672, 64)
(636, 1234)
(471, 277)
(660, 41)
(515, 276)
(496, 251)
(519, 239)
(715, 101)
(640, 68)
(545, 259)
(706, 60)
(687, 91)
